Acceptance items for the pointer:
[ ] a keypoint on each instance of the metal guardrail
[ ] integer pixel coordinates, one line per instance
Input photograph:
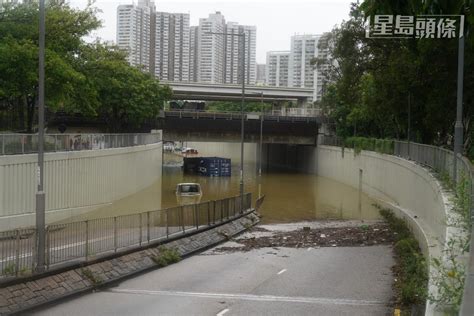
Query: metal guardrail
(13, 144)
(85, 240)
(440, 160)
(267, 116)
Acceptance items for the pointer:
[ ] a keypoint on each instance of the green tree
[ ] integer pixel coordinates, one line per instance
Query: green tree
(234, 106)
(372, 81)
(19, 56)
(91, 79)
(125, 96)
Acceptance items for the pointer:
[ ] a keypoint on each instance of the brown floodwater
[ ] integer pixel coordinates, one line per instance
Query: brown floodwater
(289, 196)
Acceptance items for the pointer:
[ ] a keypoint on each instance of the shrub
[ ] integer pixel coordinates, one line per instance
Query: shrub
(411, 266)
(166, 257)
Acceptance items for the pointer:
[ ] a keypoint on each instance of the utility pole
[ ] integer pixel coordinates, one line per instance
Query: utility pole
(242, 133)
(458, 127)
(242, 124)
(261, 136)
(409, 124)
(40, 195)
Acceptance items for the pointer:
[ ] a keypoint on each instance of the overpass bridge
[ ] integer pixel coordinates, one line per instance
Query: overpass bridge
(225, 127)
(286, 126)
(222, 92)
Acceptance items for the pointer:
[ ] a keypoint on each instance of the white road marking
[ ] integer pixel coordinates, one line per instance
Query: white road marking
(222, 312)
(282, 271)
(310, 248)
(251, 297)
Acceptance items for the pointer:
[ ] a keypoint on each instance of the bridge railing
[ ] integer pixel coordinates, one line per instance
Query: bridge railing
(11, 144)
(277, 116)
(441, 160)
(82, 241)
(304, 112)
(297, 112)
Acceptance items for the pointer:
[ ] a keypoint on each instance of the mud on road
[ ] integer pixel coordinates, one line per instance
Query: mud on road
(304, 237)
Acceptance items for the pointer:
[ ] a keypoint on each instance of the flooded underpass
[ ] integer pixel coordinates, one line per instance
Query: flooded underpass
(319, 249)
(290, 196)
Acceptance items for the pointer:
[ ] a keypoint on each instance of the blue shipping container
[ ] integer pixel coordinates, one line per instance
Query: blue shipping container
(214, 167)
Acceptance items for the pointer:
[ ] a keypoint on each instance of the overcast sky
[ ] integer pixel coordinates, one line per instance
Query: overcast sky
(276, 20)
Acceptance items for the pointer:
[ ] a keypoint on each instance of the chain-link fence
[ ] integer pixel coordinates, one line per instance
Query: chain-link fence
(11, 144)
(85, 240)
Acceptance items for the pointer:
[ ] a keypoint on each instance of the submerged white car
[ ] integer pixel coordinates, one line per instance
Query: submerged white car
(188, 193)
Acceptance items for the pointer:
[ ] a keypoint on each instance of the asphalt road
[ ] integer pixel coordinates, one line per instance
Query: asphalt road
(268, 281)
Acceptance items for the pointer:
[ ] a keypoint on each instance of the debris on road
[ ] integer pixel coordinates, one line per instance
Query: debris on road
(353, 236)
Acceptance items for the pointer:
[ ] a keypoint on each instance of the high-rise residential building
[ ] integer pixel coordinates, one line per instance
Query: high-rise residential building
(301, 72)
(294, 68)
(216, 51)
(165, 45)
(134, 32)
(233, 52)
(156, 41)
(250, 53)
(211, 49)
(171, 48)
(232, 48)
(261, 74)
(277, 70)
(194, 46)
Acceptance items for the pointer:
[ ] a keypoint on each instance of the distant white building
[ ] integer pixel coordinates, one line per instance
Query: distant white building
(218, 56)
(210, 52)
(277, 68)
(232, 50)
(301, 72)
(250, 53)
(194, 46)
(165, 45)
(134, 32)
(171, 49)
(294, 68)
(261, 74)
(156, 41)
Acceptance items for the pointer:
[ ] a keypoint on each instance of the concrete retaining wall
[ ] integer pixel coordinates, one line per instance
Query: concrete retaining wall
(407, 188)
(392, 181)
(75, 182)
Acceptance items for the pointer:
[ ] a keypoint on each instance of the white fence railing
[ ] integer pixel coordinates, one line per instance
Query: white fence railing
(83, 241)
(13, 144)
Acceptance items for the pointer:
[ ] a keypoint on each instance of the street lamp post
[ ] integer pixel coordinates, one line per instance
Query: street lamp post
(261, 136)
(409, 124)
(260, 148)
(458, 127)
(40, 195)
(242, 124)
(241, 189)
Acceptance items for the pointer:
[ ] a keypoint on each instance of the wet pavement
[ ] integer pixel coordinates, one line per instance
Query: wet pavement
(263, 281)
